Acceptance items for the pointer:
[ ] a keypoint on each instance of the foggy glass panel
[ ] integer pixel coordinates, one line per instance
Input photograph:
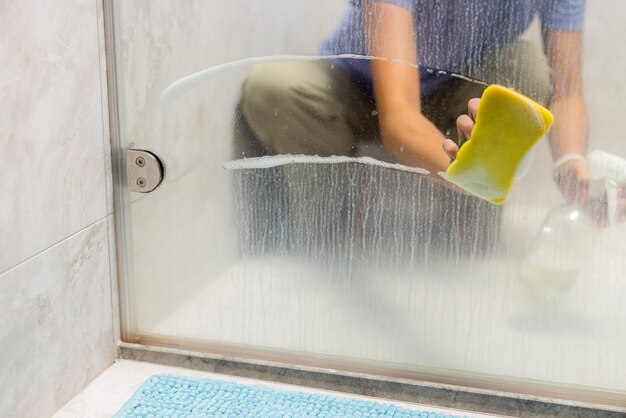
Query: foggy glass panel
(285, 227)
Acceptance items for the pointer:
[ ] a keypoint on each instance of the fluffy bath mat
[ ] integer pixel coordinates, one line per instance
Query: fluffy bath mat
(178, 396)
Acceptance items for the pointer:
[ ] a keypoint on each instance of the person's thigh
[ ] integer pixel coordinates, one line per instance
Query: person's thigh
(303, 107)
(521, 65)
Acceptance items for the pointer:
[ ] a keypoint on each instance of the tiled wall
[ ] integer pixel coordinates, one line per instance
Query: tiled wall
(56, 327)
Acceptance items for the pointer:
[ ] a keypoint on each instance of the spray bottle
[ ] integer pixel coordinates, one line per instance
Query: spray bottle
(568, 236)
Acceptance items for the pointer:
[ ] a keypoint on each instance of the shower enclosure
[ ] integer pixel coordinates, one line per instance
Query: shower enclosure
(355, 263)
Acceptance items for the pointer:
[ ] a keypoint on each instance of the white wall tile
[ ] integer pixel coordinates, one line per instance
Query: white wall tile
(55, 193)
(55, 311)
(51, 126)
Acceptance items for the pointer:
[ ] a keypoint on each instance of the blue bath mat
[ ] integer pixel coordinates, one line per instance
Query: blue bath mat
(178, 396)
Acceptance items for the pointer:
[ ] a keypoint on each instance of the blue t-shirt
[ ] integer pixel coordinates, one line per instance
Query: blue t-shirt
(453, 35)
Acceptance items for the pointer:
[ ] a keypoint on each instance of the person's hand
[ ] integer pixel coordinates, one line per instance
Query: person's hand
(464, 126)
(572, 178)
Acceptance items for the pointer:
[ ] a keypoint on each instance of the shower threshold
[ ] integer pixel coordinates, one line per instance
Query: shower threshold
(480, 401)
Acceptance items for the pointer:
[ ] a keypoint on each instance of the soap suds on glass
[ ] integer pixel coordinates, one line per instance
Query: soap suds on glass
(279, 160)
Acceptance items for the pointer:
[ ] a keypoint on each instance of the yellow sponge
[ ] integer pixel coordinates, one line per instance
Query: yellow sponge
(507, 126)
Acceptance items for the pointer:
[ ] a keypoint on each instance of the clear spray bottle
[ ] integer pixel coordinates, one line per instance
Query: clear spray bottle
(568, 235)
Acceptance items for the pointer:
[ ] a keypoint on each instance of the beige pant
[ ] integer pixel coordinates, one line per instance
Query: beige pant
(312, 107)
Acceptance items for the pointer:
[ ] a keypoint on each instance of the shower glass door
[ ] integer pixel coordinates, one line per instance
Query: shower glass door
(285, 230)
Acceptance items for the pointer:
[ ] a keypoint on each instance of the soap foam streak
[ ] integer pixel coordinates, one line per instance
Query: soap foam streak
(279, 160)
(181, 86)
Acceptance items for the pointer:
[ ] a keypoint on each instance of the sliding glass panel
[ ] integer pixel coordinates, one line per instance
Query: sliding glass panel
(306, 217)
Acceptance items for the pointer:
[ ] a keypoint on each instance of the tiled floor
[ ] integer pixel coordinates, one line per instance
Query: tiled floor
(106, 394)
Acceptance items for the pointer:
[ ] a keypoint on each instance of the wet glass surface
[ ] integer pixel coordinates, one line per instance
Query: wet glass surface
(289, 220)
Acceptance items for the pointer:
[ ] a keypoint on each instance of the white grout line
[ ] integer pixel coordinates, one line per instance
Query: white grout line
(56, 244)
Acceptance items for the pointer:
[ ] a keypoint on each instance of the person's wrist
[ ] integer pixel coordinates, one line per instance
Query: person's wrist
(566, 160)
(571, 176)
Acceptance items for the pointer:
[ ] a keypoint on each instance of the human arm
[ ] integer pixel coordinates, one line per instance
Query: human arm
(569, 134)
(405, 131)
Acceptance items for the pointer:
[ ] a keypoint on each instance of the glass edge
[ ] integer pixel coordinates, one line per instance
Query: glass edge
(121, 197)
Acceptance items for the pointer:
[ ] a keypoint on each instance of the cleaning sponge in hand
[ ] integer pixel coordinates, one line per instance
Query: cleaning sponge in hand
(508, 125)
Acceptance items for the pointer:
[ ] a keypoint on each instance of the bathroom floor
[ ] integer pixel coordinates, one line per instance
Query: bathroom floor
(107, 394)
